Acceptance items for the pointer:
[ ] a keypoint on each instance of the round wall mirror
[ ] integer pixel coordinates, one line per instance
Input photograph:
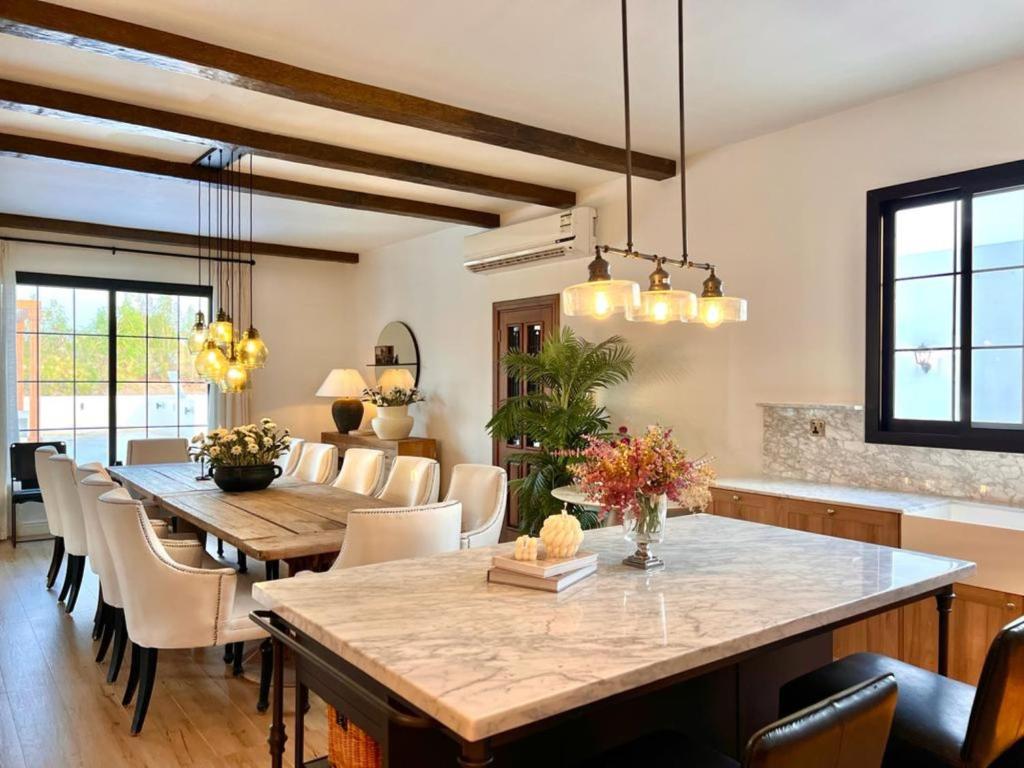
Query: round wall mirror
(396, 350)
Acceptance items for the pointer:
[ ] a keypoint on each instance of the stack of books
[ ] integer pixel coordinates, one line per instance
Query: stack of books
(551, 575)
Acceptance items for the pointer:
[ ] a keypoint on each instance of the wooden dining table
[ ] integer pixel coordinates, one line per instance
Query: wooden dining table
(300, 522)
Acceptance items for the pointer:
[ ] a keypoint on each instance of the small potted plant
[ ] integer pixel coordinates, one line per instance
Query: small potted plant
(242, 459)
(392, 421)
(635, 477)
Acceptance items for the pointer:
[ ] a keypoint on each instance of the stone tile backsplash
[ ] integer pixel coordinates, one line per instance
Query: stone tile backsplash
(841, 456)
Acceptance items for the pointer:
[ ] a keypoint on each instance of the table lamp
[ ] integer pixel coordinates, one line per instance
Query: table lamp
(396, 378)
(346, 385)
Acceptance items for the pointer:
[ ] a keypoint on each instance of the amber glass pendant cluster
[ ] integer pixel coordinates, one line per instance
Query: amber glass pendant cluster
(600, 296)
(223, 355)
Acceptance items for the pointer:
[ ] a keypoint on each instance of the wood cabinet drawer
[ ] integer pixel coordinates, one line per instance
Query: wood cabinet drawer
(753, 507)
(868, 525)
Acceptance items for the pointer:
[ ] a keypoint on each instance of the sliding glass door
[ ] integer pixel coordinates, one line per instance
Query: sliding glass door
(101, 362)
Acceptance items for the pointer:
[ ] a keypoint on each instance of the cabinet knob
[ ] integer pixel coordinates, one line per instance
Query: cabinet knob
(1011, 606)
(735, 497)
(830, 511)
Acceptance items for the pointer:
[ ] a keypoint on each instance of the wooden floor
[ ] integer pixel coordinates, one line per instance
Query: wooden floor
(56, 708)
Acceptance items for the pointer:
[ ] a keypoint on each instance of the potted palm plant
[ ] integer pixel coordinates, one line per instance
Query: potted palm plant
(558, 411)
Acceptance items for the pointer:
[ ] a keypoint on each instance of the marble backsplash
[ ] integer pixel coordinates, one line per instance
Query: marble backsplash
(841, 456)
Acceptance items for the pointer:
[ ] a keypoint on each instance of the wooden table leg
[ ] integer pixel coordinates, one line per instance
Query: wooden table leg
(278, 736)
(475, 754)
(944, 605)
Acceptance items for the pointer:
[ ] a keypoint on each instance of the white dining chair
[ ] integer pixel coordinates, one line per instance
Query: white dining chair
(157, 450)
(412, 482)
(380, 535)
(76, 542)
(290, 460)
(168, 605)
(51, 507)
(318, 463)
(482, 489)
(361, 471)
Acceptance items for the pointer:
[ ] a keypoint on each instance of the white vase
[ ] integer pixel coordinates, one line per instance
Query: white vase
(392, 422)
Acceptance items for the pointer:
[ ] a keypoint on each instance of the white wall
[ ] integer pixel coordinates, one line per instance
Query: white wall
(783, 215)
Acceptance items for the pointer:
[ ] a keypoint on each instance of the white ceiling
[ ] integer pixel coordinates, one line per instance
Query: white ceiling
(754, 66)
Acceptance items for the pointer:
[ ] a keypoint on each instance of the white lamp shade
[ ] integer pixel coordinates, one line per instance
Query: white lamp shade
(663, 306)
(600, 298)
(342, 382)
(396, 378)
(715, 310)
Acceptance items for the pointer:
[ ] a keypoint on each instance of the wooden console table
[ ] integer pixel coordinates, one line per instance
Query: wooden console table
(410, 446)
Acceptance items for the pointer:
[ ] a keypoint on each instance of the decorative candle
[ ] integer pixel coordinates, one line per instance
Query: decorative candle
(526, 548)
(562, 535)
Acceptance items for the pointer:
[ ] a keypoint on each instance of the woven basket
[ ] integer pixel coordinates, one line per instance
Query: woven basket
(348, 745)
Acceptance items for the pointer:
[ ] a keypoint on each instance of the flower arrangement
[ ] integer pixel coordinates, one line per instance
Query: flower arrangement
(630, 474)
(248, 446)
(396, 396)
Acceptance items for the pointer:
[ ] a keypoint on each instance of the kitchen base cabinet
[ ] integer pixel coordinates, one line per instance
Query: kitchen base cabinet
(752, 507)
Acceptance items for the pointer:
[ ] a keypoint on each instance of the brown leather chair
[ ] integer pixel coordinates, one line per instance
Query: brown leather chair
(940, 722)
(848, 730)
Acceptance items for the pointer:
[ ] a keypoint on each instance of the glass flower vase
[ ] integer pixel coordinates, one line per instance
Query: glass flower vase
(646, 526)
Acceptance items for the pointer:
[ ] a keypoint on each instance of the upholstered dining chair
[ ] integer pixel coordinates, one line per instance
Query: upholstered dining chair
(168, 605)
(482, 489)
(848, 730)
(76, 542)
(940, 722)
(361, 471)
(318, 463)
(380, 535)
(289, 461)
(412, 482)
(51, 507)
(157, 450)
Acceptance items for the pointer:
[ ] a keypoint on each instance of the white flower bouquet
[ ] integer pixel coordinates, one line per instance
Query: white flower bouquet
(248, 446)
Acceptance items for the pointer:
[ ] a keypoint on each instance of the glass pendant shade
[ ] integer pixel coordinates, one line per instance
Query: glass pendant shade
(715, 310)
(222, 331)
(197, 336)
(235, 378)
(252, 352)
(211, 362)
(600, 298)
(664, 307)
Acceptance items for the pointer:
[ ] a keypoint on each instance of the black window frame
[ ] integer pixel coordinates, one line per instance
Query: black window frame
(879, 424)
(113, 286)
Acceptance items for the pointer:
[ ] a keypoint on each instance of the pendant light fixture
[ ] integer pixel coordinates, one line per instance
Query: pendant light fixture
(601, 297)
(235, 378)
(252, 352)
(197, 335)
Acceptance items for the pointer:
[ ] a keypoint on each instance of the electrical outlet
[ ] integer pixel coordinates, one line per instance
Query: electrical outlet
(818, 427)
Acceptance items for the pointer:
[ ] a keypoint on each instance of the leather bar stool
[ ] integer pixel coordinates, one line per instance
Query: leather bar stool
(848, 730)
(940, 722)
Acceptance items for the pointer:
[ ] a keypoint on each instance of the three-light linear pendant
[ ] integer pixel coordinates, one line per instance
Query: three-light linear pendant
(223, 356)
(601, 296)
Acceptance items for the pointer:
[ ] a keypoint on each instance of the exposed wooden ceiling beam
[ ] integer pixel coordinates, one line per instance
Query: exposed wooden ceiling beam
(57, 103)
(110, 232)
(11, 144)
(133, 42)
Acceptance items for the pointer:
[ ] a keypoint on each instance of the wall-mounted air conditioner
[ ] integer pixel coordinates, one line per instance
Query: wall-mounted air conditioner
(565, 235)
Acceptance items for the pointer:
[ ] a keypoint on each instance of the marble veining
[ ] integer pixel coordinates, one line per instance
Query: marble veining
(866, 498)
(485, 658)
(842, 457)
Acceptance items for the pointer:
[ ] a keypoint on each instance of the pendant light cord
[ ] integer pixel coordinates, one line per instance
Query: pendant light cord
(629, 143)
(251, 303)
(682, 136)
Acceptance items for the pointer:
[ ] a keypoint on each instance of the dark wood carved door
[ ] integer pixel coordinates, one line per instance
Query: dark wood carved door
(521, 324)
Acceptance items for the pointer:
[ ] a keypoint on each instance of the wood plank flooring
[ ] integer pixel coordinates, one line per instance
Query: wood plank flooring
(56, 708)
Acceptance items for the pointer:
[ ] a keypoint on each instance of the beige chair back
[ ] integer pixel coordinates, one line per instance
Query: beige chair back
(51, 502)
(412, 482)
(482, 489)
(361, 471)
(157, 450)
(380, 535)
(318, 463)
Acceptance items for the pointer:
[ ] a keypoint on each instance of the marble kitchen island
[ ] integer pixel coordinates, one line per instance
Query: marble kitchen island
(445, 669)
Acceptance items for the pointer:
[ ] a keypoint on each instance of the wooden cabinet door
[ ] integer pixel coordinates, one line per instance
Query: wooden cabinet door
(978, 615)
(806, 516)
(753, 507)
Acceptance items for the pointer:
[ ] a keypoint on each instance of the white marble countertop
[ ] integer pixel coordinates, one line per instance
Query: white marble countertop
(866, 498)
(485, 658)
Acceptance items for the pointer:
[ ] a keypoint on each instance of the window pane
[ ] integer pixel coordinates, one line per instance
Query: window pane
(923, 384)
(162, 405)
(92, 405)
(163, 315)
(91, 445)
(26, 353)
(187, 308)
(186, 363)
(163, 359)
(56, 358)
(998, 308)
(131, 405)
(56, 308)
(926, 240)
(131, 359)
(56, 406)
(997, 386)
(924, 312)
(997, 225)
(92, 358)
(131, 314)
(27, 302)
(65, 436)
(193, 405)
(91, 311)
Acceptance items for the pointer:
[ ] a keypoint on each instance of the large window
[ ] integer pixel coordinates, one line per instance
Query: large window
(945, 364)
(100, 362)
